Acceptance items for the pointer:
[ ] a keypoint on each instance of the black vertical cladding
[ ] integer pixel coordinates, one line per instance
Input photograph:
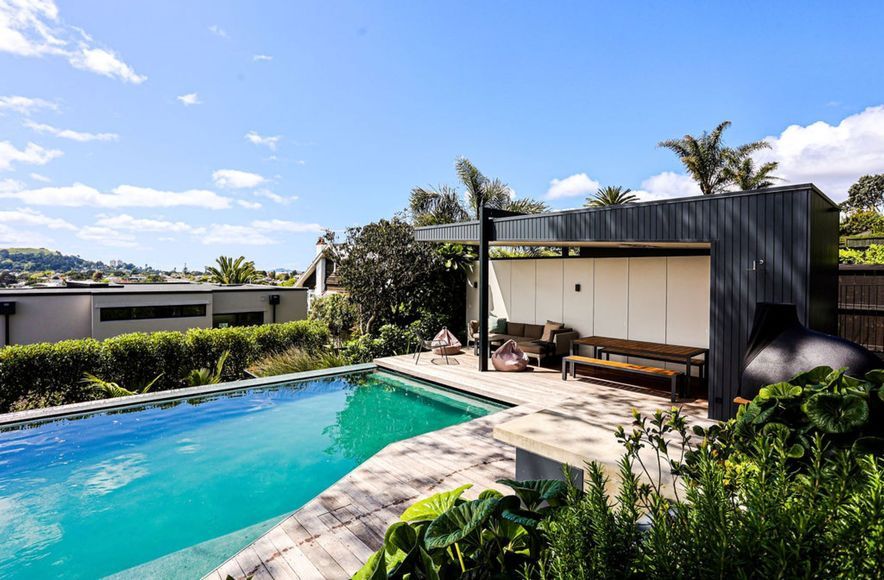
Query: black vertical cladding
(793, 229)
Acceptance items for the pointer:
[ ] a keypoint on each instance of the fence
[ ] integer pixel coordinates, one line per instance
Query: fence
(861, 305)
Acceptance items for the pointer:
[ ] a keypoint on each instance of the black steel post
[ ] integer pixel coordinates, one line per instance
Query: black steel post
(484, 237)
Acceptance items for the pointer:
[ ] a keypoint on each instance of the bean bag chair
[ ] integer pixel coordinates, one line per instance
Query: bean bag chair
(452, 345)
(509, 358)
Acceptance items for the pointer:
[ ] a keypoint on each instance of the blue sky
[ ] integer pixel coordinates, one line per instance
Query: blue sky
(153, 131)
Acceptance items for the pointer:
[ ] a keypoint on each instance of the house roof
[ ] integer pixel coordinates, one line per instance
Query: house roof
(611, 224)
(172, 288)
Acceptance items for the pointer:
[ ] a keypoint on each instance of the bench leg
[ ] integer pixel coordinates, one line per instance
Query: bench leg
(673, 386)
(564, 370)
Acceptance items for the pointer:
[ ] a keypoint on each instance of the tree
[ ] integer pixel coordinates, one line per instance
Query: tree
(862, 221)
(706, 158)
(230, 271)
(611, 195)
(744, 174)
(866, 194)
(391, 278)
(446, 205)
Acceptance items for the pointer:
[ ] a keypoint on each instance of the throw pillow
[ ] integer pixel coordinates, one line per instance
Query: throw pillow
(548, 329)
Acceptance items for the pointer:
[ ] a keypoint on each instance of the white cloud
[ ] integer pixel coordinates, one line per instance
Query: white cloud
(80, 195)
(29, 217)
(32, 28)
(830, 156)
(262, 58)
(667, 185)
(127, 222)
(70, 134)
(249, 204)
(32, 154)
(579, 184)
(236, 235)
(275, 197)
(190, 99)
(218, 31)
(235, 179)
(40, 178)
(269, 141)
(12, 237)
(106, 63)
(25, 105)
(107, 237)
(286, 226)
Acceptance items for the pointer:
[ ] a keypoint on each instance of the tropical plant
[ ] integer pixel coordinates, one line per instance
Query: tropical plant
(456, 257)
(611, 195)
(874, 254)
(296, 360)
(111, 390)
(742, 172)
(862, 221)
(232, 271)
(447, 536)
(708, 161)
(204, 376)
(844, 412)
(446, 205)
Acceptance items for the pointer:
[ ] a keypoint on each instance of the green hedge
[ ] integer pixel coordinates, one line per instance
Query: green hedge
(36, 375)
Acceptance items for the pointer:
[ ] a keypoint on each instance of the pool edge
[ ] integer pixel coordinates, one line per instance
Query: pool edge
(74, 409)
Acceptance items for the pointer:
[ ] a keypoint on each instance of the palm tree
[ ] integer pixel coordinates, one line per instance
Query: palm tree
(230, 271)
(706, 158)
(611, 195)
(111, 390)
(446, 205)
(746, 176)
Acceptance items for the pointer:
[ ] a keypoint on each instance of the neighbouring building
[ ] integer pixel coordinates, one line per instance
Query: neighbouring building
(29, 315)
(320, 277)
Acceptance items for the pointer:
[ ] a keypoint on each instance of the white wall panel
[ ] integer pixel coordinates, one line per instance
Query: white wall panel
(688, 300)
(611, 297)
(500, 288)
(523, 289)
(549, 296)
(577, 307)
(647, 299)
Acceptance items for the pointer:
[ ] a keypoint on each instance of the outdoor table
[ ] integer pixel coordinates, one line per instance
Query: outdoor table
(643, 349)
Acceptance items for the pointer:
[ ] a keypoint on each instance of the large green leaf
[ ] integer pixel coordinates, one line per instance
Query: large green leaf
(433, 506)
(876, 376)
(836, 413)
(812, 377)
(374, 569)
(459, 522)
(533, 492)
(780, 391)
(400, 536)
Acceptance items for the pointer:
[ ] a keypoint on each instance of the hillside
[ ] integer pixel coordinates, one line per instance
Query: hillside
(40, 259)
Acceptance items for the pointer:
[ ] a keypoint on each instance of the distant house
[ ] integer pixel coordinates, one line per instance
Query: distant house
(87, 309)
(320, 277)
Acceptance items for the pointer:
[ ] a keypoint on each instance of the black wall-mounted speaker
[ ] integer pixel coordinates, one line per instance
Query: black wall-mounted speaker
(274, 299)
(7, 307)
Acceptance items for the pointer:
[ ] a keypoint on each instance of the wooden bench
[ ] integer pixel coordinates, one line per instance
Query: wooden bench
(700, 363)
(570, 363)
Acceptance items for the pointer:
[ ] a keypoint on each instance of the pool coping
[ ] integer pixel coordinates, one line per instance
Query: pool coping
(75, 409)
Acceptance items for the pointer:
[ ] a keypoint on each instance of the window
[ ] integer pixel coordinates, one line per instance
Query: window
(147, 312)
(237, 319)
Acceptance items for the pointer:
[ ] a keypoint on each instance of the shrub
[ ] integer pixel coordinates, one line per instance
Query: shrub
(391, 340)
(50, 373)
(336, 311)
(296, 360)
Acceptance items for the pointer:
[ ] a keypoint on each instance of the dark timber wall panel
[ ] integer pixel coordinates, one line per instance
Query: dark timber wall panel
(776, 245)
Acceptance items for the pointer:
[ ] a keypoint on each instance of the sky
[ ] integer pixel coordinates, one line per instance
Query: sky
(169, 133)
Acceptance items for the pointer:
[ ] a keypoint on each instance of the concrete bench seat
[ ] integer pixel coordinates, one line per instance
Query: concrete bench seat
(570, 364)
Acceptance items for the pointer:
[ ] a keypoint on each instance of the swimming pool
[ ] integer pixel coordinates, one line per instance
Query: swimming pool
(171, 489)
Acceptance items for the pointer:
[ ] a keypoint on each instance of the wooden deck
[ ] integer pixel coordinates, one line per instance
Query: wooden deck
(333, 534)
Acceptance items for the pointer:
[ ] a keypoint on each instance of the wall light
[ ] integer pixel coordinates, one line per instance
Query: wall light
(576, 287)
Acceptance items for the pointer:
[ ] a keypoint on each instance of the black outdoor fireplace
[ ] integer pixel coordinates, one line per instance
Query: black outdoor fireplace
(780, 347)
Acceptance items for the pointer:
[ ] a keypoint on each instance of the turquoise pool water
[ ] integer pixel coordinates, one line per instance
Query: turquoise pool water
(171, 490)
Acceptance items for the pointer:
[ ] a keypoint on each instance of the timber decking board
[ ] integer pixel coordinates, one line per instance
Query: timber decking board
(332, 535)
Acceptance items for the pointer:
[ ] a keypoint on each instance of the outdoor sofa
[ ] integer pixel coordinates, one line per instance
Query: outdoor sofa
(529, 337)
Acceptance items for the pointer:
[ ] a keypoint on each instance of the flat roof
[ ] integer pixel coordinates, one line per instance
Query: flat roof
(172, 288)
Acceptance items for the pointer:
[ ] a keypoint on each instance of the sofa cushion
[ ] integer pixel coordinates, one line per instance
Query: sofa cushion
(515, 328)
(534, 331)
(549, 330)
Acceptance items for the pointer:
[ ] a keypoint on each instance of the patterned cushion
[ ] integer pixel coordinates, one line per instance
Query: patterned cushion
(549, 330)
